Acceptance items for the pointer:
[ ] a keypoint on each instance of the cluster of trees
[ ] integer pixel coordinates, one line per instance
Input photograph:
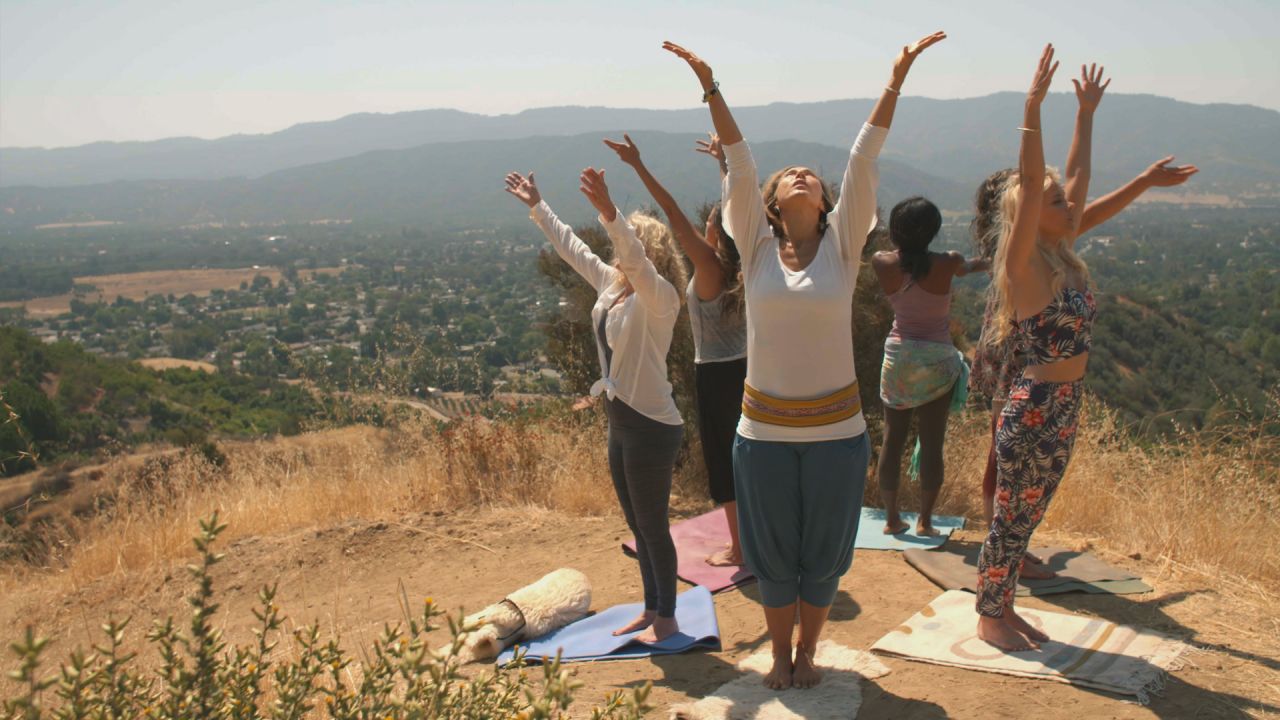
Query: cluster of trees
(61, 401)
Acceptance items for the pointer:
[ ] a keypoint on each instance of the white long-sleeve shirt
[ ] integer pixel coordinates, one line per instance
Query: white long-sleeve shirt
(638, 328)
(800, 323)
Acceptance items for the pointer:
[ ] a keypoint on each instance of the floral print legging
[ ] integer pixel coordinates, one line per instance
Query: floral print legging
(1034, 438)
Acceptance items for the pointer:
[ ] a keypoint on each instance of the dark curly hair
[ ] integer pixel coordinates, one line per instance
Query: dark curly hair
(913, 224)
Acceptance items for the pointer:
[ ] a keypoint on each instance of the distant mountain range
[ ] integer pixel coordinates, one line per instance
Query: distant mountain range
(454, 185)
(438, 166)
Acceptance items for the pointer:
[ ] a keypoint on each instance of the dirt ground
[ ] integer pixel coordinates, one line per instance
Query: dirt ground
(347, 578)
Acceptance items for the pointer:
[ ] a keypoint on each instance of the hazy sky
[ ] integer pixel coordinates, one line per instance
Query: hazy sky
(76, 72)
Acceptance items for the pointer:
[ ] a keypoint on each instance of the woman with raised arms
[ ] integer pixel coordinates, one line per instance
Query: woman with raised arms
(1042, 296)
(800, 458)
(634, 316)
(996, 365)
(719, 324)
(922, 370)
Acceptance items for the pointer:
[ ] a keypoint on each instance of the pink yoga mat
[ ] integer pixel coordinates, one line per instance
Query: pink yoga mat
(695, 539)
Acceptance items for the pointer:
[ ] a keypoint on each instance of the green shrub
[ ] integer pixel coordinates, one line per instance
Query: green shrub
(198, 676)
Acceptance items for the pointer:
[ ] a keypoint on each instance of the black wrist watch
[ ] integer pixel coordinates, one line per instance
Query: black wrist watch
(715, 88)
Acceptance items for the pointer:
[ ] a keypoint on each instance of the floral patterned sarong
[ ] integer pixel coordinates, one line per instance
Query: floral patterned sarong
(918, 371)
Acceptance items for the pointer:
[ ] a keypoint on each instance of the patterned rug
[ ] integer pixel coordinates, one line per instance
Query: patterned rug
(1085, 651)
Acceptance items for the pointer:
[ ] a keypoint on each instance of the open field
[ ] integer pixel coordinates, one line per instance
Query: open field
(139, 285)
(340, 518)
(168, 363)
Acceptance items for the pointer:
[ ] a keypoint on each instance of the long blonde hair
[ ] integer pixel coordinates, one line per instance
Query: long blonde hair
(1060, 256)
(660, 248)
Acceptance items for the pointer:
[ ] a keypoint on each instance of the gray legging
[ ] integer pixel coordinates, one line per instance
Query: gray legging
(642, 456)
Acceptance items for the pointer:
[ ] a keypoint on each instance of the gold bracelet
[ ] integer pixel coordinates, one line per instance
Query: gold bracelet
(1027, 129)
(890, 89)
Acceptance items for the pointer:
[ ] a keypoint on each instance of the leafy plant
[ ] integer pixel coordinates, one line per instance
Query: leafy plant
(199, 676)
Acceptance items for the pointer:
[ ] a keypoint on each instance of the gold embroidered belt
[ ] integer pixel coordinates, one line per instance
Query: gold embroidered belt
(839, 405)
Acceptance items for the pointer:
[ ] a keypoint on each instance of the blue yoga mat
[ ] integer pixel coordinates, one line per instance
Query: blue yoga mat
(591, 638)
(871, 531)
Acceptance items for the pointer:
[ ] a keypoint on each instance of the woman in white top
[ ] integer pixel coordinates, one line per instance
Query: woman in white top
(718, 320)
(800, 459)
(633, 317)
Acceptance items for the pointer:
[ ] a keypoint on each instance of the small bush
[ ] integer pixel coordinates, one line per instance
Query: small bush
(198, 676)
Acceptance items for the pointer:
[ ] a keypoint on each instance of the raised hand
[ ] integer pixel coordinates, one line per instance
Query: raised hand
(1161, 174)
(909, 54)
(700, 67)
(1089, 87)
(711, 146)
(627, 152)
(525, 190)
(1044, 76)
(593, 186)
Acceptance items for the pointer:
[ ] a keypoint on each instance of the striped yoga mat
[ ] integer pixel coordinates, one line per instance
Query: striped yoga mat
(1084, 651)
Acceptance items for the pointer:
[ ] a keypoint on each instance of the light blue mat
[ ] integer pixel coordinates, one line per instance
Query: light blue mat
(591, 638)
(871, 532)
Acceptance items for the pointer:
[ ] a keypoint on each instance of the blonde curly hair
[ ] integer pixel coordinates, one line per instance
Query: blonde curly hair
(660, 247)
(1060, 256)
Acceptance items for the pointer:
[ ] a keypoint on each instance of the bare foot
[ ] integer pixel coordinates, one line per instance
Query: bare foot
(642, 621)
(924, 528)
(661, 629)
(1000, 635)
(1035, 571)
(1017, 622)
(779, 677)
(805, 674)
(725, 558)
(895, 525)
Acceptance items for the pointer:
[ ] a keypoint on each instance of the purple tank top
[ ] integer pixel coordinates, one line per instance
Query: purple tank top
(921, 315)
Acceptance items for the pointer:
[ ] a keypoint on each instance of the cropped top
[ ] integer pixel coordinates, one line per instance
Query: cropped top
(1062, 330)
(920, 315)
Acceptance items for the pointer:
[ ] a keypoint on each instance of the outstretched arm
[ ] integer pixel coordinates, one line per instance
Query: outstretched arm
(882, 113)
(1026, 218)
(1089, 89)
(711, 146)
(972, 265)
(855, 214)
(1159, 174)
(706, 268)
(653, 290)
(744, 215)
(568, 245)
(721, 118)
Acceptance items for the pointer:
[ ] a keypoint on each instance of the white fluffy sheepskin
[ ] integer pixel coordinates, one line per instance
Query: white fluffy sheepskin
(557, 599)
(746, 698)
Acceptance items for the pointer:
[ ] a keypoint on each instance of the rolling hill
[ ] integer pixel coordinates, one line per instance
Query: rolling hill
(959, 139)
(442, 184)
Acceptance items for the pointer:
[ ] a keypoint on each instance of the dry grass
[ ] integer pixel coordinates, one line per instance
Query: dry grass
(139, 285)
(1208, 505)
(1201, 503)
(314, 480)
